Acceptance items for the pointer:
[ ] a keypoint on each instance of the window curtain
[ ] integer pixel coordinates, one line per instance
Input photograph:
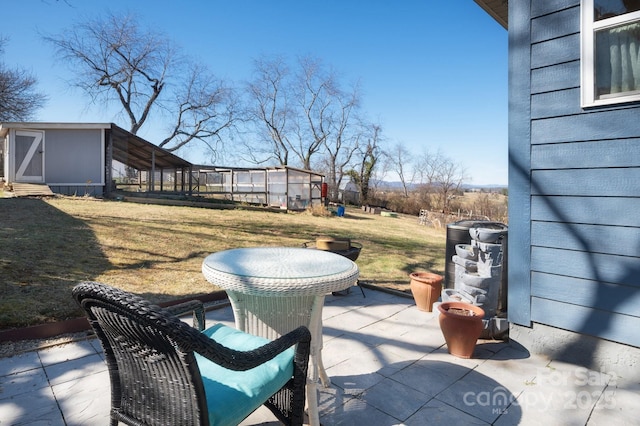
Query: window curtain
(618, 59)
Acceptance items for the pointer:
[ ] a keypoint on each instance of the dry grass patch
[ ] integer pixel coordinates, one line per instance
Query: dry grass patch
(156, 251)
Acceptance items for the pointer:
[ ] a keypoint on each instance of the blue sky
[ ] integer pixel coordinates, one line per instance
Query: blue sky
(433, 74)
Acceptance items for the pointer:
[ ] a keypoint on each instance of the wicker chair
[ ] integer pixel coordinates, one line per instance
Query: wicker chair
(165, 372)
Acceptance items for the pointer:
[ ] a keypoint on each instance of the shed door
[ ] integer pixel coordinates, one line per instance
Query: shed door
(29, 156)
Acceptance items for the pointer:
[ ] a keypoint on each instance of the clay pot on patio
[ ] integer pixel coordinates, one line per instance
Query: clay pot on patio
(425, 288)
(461, 325)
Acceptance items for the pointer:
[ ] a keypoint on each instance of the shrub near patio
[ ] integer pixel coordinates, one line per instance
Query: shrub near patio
(48, 245)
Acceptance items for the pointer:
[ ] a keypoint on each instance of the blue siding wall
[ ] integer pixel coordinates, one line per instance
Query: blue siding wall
(579, 171)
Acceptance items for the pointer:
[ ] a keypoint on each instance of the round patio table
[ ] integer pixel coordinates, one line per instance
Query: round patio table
(274, 290)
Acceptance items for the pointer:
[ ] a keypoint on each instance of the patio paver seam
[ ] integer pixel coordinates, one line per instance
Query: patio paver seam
(55, 398)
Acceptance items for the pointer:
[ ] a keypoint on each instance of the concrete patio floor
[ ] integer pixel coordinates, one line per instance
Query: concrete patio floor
(388, 365)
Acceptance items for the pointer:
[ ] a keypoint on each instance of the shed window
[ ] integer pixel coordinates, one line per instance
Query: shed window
(610, 51)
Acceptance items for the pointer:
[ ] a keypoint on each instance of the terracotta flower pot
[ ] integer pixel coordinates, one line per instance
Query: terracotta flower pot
(461, 325)
(425, 288)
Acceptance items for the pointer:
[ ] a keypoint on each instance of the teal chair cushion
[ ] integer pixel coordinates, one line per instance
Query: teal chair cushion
(233, 395)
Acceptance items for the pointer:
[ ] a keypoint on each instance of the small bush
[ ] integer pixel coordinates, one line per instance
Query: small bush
(318, 211)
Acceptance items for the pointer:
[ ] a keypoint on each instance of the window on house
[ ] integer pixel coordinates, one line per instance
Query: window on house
(610, 56)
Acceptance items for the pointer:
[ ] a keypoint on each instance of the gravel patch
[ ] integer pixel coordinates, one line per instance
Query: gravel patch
(8, 349)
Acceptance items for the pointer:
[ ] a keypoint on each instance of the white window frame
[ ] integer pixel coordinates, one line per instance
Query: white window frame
(587, 55)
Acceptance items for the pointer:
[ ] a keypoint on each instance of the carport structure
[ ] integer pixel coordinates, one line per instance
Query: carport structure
(159, 169)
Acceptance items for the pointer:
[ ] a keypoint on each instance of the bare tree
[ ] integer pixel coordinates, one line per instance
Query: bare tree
(19, 99)
(317, 97)
(301, 115)
(423, 174)
(400, 161)
(450, 178)
(342, 141)
(117, 60)
(371, 154)
(441, 176)
(270, 109)
(205, 108)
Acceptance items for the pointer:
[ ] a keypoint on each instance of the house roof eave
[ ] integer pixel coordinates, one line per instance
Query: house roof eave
(36, 125)
(498, 9)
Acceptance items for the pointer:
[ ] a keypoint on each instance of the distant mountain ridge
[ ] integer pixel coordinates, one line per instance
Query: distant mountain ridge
(392, 185)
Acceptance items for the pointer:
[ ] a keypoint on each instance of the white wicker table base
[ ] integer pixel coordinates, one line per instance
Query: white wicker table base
(274, 290)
